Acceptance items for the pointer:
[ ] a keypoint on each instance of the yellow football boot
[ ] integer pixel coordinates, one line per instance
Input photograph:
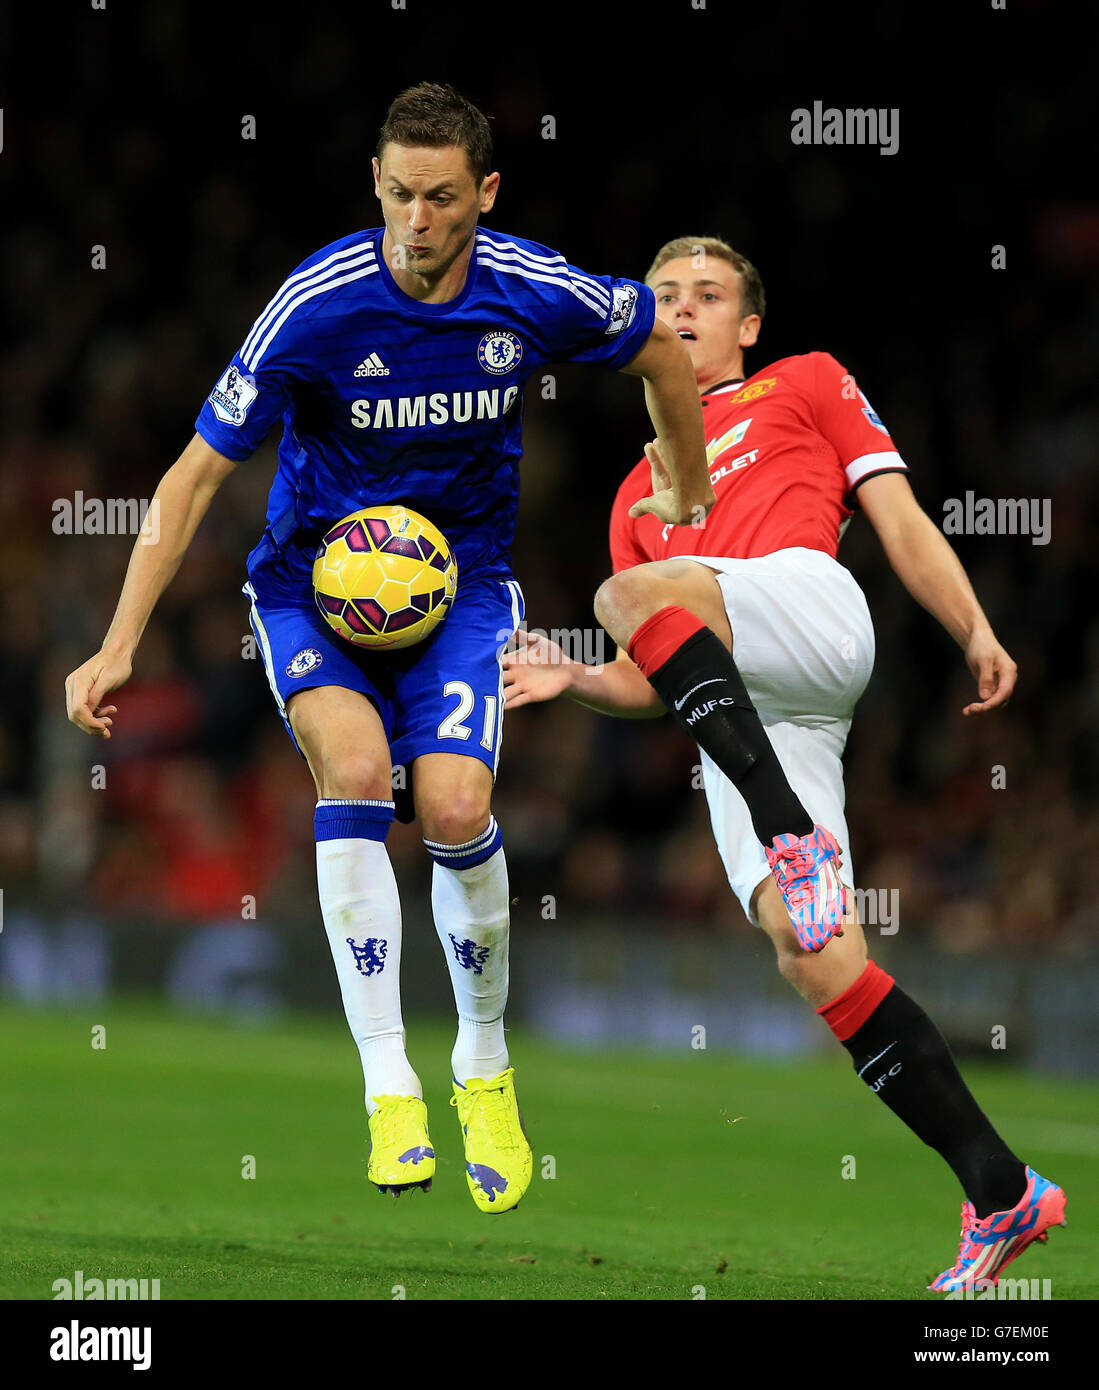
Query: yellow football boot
(498, 1157)
(401, 1152)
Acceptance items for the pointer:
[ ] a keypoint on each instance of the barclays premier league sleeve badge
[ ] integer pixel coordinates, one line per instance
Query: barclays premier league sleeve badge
(232, 397)
(622, 309)
(872, 415)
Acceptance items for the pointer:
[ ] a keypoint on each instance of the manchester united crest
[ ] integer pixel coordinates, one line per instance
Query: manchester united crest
(753, 391)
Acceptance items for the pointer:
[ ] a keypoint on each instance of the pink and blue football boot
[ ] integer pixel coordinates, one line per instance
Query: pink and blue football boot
(806, 869)
(987, 1247)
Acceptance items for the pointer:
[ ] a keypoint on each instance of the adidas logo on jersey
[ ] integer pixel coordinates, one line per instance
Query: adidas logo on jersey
(372, 366)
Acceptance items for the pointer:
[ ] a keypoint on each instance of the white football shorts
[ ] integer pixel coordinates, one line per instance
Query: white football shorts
(803, 642)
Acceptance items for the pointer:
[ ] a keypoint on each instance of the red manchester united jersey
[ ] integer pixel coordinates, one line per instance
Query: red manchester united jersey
(786, 450)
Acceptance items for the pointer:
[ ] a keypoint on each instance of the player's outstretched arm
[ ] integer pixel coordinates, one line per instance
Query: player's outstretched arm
(671, 395)
(926, 565)
(539, 670)
(179, 504)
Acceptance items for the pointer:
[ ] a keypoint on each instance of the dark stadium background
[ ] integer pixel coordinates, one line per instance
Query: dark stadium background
(122, 128)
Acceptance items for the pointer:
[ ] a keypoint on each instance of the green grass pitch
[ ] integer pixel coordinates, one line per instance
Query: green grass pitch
(672, 1172)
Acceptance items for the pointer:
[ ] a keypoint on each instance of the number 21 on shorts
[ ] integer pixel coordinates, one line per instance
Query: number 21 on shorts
(454, 726)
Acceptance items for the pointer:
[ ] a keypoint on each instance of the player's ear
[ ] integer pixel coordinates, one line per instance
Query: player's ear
(749, 330)
(488, 191)
(377, 177)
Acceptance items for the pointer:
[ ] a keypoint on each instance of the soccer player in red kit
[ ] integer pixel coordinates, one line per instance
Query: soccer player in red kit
(759, 642)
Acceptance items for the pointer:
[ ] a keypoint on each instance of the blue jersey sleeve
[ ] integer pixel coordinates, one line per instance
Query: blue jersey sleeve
(241, 409)
(604, 319)
(257, 386)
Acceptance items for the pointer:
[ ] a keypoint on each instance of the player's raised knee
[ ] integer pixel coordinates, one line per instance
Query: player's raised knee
(623, 602)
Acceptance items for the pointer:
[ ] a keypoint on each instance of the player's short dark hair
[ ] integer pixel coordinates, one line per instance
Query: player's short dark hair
(752, 298)
(435, 115)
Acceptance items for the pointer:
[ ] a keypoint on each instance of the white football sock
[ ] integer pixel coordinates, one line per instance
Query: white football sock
(359, 900)
(471, 917)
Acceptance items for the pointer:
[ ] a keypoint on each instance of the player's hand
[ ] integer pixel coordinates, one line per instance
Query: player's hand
(537, 670)
(994, 670)
(664, 503)
(86, 687)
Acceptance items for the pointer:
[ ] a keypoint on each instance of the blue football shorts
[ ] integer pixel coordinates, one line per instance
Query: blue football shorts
(444, 695)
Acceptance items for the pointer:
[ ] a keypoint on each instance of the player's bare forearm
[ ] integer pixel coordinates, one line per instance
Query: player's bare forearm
(925, 563)
(617, 688)
(179, 504)
(539, 670)
(931, 572)
(181, 500)
(671, 395)
(675, 412)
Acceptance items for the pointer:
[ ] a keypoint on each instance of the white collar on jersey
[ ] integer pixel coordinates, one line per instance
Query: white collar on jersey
(723, 386)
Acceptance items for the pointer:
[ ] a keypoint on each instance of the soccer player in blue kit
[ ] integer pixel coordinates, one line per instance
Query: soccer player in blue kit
(397, 358)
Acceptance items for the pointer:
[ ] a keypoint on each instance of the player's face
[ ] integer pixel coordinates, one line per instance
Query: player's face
(431, 203)
(703, 305)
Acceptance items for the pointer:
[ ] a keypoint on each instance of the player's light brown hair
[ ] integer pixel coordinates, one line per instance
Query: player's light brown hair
(752, 298)
(435, 115)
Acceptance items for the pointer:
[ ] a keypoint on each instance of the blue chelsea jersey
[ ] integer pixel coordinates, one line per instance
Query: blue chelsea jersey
(384, 399)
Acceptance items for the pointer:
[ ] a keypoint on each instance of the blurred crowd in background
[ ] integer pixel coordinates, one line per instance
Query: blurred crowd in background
(984, 377)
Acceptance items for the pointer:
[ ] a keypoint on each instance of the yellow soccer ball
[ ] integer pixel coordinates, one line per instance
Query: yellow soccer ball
(384, 578)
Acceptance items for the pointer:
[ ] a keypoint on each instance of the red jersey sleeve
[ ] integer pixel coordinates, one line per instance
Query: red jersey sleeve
(850, 424)
(625, 550)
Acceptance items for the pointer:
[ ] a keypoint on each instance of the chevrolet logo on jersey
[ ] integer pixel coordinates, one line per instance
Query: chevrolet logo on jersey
(440, 408)
(727, 440)
(742, 462)
(714, 448)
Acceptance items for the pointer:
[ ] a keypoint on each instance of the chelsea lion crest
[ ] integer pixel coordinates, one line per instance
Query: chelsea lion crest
(499, 351)
(305, 661)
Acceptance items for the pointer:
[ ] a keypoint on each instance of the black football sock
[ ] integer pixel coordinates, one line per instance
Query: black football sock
(905, 1061)
(703, 689)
